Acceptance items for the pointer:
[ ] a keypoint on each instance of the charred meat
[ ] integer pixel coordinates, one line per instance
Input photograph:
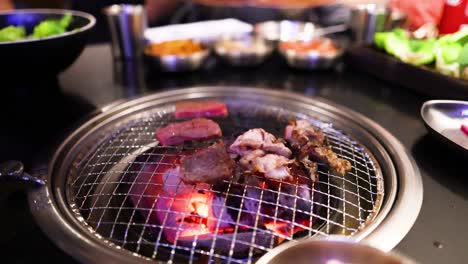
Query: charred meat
(208, 165)
(310, 143)
(203, 108)
(326, 155)
(195, 129)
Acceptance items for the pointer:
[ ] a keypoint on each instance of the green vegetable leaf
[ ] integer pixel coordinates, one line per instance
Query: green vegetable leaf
(417, 52)
(417, 45)
(65, 21)
(52, 27)
(451, 69)
(460, 37)
(450, 52)
(379, 39)
(463, 58)
(396, 45)
(400, 32)
(12, 33)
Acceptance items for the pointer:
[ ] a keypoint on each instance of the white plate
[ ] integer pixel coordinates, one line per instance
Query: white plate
(445, 117)
(206, 31)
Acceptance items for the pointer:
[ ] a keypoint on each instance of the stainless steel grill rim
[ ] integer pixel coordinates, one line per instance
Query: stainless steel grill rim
(201, 92)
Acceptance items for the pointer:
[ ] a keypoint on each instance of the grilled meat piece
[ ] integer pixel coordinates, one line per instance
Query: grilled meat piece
(272, 166)
(300, 133)
(195, 129)
(203, 108)
(326, 155)
(310, 166)
(258, 138)
(208, 165)
(310, 143)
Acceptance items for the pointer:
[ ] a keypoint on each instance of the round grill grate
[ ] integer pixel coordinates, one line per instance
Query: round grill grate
(102, 189)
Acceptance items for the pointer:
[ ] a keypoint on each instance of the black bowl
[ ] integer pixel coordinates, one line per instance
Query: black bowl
(47, 56)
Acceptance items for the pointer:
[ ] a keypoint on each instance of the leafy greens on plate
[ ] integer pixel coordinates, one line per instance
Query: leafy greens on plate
(448, 53)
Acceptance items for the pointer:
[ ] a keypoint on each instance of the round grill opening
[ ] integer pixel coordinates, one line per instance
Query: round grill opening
(112, 187)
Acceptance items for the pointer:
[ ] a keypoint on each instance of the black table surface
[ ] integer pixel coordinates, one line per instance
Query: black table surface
(37, 113)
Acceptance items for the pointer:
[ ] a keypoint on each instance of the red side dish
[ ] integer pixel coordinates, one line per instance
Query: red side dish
(322, 46)
(195, 129)
(205, 108)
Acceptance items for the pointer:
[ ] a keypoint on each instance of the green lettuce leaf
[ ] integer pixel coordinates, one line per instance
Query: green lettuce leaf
(12, 33)
(52, 27)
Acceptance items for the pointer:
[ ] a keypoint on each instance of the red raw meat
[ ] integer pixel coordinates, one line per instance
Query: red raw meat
(420, 12)
(195, 129)
(206, 108)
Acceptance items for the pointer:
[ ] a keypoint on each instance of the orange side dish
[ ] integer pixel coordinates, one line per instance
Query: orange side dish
(321, 46)
(175, 47)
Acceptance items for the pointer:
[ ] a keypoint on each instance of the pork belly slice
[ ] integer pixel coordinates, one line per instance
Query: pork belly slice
(271, 166)
(210, 165)
(310, 143)
(195, 129)
(258, 138)
(202, 108)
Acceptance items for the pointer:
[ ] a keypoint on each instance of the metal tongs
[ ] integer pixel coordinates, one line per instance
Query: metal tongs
(311, 31)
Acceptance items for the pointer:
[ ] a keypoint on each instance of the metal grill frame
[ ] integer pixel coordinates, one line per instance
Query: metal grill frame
(393, 156)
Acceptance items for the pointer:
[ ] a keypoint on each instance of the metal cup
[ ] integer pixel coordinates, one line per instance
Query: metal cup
(367, 19)
(127, 24)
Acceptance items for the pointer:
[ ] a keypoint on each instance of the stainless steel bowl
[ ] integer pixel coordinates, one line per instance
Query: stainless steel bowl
(244, 51)
(285, 30)
(178, 63)
(330, 252)
(444, 119)
(311, 60)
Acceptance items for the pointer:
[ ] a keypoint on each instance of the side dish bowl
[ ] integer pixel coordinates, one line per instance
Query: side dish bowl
(50, 55)
(300, 55)
(176, 56)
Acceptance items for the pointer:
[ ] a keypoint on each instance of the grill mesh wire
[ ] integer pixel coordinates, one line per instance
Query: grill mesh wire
(100, 183)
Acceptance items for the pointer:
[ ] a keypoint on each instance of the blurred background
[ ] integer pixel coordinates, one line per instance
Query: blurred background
(163, 12)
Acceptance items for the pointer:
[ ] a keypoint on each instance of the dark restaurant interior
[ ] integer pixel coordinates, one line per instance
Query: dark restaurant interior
(234, 131)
